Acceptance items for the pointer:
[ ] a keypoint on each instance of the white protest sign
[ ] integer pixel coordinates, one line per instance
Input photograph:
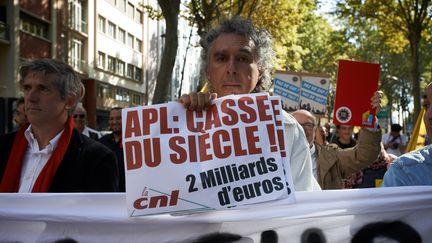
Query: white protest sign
(229, 155)
(302, 91)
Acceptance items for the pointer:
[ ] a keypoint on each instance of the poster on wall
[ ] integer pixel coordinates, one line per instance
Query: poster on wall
(230, 155)
(306, 91)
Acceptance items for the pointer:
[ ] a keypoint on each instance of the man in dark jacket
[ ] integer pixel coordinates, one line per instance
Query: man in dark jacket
(48, 154)
(114, 142)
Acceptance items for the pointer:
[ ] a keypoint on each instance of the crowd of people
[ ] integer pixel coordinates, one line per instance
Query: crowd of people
(55, 151)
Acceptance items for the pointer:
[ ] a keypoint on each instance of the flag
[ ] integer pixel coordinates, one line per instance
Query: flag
(418, 135)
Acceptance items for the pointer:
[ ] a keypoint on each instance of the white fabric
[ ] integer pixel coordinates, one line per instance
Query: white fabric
(100, 217)
(403, 140)
(88, 129)
(300, 158)
(35, 159)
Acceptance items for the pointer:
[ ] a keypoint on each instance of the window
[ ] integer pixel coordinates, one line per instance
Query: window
(122, 95)
(136, 99)
(138, 45)
(111, 29)
(122, 5)
(111, 64)
(101, 24)
(101, 60)
(122, 36)
(120, 67)
(138, 74)
(76, 54)
(130, 71)
(77, 15)
(33, 26)
(130, 41)
(130, 11)
(138, 16)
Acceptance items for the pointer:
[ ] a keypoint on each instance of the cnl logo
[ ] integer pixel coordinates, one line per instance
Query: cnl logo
(160, 201)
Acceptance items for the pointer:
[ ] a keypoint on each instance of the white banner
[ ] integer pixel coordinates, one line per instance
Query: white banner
(327, 216)
(229, 155)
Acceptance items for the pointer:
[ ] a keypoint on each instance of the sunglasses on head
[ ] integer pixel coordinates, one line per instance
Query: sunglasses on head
(79, 115)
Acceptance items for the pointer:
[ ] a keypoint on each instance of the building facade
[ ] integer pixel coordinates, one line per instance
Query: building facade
(113, 45)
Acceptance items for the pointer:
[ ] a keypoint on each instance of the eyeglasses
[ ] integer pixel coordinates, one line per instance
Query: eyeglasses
(308, 125)
(82, 116)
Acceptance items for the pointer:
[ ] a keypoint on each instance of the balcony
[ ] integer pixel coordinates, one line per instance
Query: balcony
(80, 26)
(80, 66)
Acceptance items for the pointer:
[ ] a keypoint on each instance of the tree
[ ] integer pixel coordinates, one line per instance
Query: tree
(404, 20)
(170, 11)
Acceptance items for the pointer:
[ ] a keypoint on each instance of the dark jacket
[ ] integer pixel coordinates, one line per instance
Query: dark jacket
(87, 166)
(109, 141)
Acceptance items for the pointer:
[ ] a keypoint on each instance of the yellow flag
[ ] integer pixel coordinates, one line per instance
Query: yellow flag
(205, 88)
(418, 135)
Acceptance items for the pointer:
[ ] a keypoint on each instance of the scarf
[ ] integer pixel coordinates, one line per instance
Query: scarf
(12, 173)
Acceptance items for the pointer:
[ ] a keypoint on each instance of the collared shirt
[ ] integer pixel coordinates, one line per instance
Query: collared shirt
(313, 152)
(411, 169)
(402, 139)
(87, 131)
(35, 159)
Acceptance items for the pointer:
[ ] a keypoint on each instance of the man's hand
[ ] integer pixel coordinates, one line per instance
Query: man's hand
(376, 100)
(197, 101)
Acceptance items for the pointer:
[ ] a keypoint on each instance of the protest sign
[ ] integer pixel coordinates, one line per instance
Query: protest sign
(356, 84)
(306, 91)
(229, 155)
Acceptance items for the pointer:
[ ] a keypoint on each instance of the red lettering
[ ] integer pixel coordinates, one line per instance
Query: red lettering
(262, 108)
(252, 140)
(212, 118)
(250, 115)
(149, 117)
(133, 153)
(220, 152)
(276, 112)
(236, 141)
(138, 203)
(232, 116)
(192, 149)
(190, 121)
(181, 155)
(203, 147)
(132, 124)
(152, 151)
(164, 129)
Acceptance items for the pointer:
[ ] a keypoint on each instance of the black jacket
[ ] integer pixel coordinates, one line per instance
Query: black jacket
(87, 165)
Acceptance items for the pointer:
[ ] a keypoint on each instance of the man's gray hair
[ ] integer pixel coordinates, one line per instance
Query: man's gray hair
(67, 82)
(261, 39)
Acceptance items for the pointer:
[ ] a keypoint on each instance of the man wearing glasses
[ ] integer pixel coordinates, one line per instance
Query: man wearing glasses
(331, 164)
(80, 118)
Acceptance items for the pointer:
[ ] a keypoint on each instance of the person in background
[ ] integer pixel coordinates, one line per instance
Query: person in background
(237, 59)
(20, 117)
(114, 142)
(345, 138)
(414, 168)
(49, 154)
(80, 118)
(395, 142)
(330, 163)
(373, 175)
